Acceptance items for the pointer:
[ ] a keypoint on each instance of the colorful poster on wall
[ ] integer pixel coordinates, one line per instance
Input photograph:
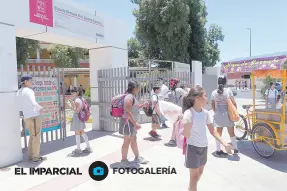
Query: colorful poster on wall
(46, 94)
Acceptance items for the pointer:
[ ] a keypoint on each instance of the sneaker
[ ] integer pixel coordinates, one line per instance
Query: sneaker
(76, 152)
(153, 134)
(236, 151)
(164, 126)
(140, 160)
(125, 164)
(171, 143)
(40, 159)
(220, 153)
(87, 150)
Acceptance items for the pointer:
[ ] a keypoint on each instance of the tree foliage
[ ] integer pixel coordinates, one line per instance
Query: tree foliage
(176, 30)
(66, 56)
(162, 29)
(25, 48)
(134, 48)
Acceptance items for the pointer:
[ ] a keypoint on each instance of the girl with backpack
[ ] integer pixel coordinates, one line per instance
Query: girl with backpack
(129, 125)
(195, 119)
(219, 99)
(77, 125)
(179, 94)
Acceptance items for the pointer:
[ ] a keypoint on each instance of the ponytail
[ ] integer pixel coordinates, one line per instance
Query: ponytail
(220, 89)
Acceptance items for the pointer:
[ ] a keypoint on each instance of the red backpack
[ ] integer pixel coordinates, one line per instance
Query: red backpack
(85, 113)
(117, 105)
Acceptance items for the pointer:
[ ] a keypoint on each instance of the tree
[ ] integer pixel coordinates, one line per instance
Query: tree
(175, 30)
(214, 36)
(25, 48)
(66, 56)
(163, 29)
(134, 48)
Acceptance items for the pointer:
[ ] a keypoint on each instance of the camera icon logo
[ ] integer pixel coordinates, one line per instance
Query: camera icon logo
(98, 171)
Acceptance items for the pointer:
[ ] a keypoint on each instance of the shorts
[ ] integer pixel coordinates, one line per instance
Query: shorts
(156, 119)
(127, 129)
(195, 157)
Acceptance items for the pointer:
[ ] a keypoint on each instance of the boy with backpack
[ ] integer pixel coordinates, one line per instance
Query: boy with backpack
(155, 112)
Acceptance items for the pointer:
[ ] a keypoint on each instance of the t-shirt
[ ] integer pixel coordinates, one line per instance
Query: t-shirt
(134, 110)
(221, 98)
(79, 101)
(163, 91)
(180, 93)
(26, 102)
(154, 101)
(199, 124)
(272, 93)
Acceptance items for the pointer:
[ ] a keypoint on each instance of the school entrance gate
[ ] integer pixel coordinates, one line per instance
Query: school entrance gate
(114, 81)
(53, 21)
(49, 94)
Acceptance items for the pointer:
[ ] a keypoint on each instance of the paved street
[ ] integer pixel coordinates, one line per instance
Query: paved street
(245, 172)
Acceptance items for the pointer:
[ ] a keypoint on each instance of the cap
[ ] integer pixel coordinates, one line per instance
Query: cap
(26, 77)
(156, 85)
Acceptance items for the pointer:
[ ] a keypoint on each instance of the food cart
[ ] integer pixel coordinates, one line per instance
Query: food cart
(266, 127)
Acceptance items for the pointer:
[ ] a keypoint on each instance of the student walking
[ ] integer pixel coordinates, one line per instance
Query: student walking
(129, 125)
(179, 94)
(77, 125)
(195, 120)
(219, 100)
(163, 92)
(156, 115)
(26, 102)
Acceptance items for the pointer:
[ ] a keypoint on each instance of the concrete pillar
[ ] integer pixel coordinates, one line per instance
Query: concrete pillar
(75, 81)
(10, 138)
(38, 54)
(103, 58)
(197, 72)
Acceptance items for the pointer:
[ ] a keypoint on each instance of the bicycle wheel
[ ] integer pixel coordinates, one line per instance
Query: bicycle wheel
(241, 128)
(262, 146)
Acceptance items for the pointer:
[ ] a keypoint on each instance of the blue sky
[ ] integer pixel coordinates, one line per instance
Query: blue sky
(264, 17)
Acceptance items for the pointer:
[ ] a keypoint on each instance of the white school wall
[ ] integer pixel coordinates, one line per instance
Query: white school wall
(111, 51)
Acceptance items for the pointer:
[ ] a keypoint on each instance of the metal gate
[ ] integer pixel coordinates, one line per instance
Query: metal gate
(55, 75)
(115, 80)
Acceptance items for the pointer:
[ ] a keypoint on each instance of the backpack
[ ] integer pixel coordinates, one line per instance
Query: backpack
(149, 110)
(85, 113)
(179, 134)
(117, 105)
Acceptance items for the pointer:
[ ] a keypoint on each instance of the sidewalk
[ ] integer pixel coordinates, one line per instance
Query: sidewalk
(247, 171)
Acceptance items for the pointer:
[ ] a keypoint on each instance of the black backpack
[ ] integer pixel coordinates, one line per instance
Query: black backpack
(149, 110)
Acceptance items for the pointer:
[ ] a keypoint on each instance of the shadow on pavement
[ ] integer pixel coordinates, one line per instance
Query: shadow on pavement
(57, 145)
(277, 162)
(152, 139)
(118, 165)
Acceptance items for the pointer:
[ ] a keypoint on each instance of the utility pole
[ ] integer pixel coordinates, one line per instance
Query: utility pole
(250, 43)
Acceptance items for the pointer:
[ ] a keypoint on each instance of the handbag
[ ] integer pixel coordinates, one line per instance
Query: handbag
(232, 111)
